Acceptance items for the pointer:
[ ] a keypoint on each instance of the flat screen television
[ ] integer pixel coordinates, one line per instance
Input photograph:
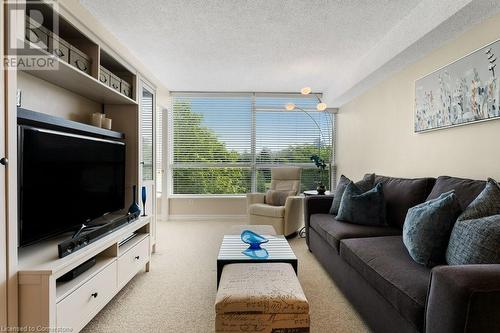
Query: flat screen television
(66, 180)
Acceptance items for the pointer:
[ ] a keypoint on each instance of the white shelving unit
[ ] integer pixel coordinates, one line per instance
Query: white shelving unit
(45, 302)
(35, 297)
(74, 80)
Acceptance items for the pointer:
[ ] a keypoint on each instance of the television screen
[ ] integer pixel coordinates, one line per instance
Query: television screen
(66, 180)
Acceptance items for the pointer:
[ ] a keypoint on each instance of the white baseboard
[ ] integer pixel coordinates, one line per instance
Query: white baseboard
(223, 218)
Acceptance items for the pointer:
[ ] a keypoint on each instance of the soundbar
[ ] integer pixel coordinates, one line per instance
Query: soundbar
(82, 239)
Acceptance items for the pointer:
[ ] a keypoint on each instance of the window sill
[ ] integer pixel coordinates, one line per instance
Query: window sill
(206, 196)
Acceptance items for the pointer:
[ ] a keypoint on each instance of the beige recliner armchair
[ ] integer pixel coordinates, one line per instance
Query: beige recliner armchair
(285, 219)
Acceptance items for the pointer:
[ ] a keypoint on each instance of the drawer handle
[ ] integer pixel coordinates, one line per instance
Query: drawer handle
(137, 257)
(95, 295)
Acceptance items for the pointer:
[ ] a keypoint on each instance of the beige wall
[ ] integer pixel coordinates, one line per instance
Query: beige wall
(42, 96)
(375, 130)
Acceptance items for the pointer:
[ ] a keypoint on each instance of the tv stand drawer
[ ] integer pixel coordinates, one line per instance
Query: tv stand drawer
(80, 306)
(133, 260)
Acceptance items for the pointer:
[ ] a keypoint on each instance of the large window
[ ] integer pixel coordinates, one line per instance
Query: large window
(226, 143)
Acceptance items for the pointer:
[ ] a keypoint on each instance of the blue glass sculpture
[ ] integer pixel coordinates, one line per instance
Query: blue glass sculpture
(254, 240)
(144, 200)
(134, 207)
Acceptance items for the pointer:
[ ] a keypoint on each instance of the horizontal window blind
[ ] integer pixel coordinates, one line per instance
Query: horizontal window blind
(211, 144)
(227, 143)
(291, 136)
(147, 134)
(159, 150)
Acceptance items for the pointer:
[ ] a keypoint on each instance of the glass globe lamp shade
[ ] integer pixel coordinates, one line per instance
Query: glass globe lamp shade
(321, 106)
(305, 90)
(290, 107)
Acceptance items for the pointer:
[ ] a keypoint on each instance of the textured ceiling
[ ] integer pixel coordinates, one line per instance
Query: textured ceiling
(336, 47)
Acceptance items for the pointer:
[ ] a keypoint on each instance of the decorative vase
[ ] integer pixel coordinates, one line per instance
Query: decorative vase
(254, 240)
(134, 207)
(143, 194)
(321, 189)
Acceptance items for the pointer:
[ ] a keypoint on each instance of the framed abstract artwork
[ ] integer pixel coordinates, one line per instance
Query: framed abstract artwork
(463, 92)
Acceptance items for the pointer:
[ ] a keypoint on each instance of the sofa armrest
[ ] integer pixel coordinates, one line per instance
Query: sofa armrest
(463, 298)
(293, 214)
(319, 204)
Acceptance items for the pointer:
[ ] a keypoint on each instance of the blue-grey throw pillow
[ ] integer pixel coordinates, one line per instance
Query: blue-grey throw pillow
(360, 207)
(427, 228)
(475, 238)
(364, 184)
(487, 203)
(475, 242)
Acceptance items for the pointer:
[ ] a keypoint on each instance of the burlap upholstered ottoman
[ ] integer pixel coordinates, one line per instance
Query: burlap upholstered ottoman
(264, 298)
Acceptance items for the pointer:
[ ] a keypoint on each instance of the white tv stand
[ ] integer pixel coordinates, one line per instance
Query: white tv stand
(45, 303)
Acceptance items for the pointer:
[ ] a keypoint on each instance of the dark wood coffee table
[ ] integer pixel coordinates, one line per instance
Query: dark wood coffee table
(232, 247)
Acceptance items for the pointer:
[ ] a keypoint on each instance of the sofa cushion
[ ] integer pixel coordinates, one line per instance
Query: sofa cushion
(401, 194)
(365, 208)
(267, 210)
(387, 267)
(334, 231)
(364, 184)
(428, 226)
(466, 190)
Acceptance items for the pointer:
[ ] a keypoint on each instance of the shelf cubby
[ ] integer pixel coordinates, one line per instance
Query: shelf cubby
(67, 287)
(64, 74)
(117, 69)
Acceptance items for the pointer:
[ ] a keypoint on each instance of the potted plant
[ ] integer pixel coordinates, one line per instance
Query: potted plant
(321, 165)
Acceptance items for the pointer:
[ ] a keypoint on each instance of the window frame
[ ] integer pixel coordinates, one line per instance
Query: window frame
(253, 166)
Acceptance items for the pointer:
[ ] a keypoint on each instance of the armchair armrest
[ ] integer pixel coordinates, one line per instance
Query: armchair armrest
(463, 298)
(293, 214)
(315, 205)
(253, 198)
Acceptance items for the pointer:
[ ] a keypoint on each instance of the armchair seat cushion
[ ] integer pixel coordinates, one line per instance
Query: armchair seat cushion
(388, 268)
(267, 210)
(334, 231)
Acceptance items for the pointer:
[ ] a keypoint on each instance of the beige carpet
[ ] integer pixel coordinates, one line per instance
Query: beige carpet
(178, 294)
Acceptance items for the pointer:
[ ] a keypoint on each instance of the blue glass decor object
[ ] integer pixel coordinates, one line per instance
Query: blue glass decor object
(256, 254)
(144, 201)
(254, 240)
(134, 207)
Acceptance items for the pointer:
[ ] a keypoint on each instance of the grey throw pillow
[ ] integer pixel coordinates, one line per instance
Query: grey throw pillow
(427, 228)
(487, 203)
(475, 238)
(364, 184)
(475, 242)
(359, 207)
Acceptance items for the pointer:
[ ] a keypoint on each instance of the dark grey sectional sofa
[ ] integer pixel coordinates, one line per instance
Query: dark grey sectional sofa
(390, 291)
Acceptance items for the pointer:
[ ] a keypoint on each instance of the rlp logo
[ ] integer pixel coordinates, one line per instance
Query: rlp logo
(32, 25)
(19, 19)
(26, 20)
